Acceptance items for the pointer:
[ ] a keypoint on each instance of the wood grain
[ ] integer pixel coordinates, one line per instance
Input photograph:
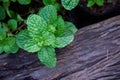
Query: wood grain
(93, 55)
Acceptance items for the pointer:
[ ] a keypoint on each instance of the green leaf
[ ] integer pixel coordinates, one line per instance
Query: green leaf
(24, 2)
(27, 43)
(1, 49)
(71, 27)
(10, 46)
(52, 2)
(48, 38)
(5, 1)
(57, 6)
(99, 2)
(65, 29)
(90, 3)
(6, 6)
(35, 25)
(47, 56)
(63, 41)
(5, 27)
(2, 34)
(60, 23)
(2, 13)
(12, 23)
(49, 14)
(51, 28)
(13, 14)
(65, 36)
(19, 18)
(70, 4)
(0, 25)
(49, 2)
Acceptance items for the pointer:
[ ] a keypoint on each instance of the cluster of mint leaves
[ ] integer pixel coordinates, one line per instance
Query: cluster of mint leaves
(45, 32)
(7, 38)
(71, 4)
(7, 43)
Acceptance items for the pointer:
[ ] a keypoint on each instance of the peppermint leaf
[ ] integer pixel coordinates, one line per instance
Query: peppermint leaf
(71, 27)
(90, 3)
(70, 4)
(65, 36)
(10, 46)
(2, 34)
(1, 49)
(63, 41)
(49, 14)
(25, 42)
(47, 56)
(12, 23)
(60, 23)
(99, 2)
(48, 38)
(35, 25)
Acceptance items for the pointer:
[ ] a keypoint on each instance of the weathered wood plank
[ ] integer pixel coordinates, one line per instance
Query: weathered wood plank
(93, 55)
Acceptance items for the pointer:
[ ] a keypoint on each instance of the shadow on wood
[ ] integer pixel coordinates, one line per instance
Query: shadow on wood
(93, 55)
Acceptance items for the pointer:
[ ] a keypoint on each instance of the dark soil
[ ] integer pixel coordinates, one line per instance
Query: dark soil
(25, 10)
(83, 16)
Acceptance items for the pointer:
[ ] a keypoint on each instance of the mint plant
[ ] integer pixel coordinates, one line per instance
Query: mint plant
(7, 39)
(45, 32)
(92, 2)
(7, 43)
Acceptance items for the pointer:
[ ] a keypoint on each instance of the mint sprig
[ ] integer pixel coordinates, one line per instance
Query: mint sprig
(45, 32)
